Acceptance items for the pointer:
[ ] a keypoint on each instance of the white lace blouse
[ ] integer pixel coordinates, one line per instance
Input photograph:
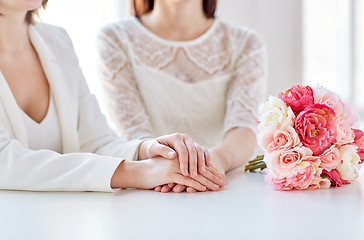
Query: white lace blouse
(203, 87)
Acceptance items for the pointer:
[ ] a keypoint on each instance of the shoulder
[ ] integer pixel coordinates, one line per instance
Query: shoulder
(241, 36)
(52, 34)
(117, 29)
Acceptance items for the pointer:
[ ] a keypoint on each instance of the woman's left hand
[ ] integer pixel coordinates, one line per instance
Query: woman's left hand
(209, 174)
(217, 165)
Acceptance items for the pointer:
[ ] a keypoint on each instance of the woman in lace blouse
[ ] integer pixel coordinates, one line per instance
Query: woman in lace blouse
(176, 68)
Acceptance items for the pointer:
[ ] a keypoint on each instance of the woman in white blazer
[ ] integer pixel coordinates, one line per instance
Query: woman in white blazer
(53, 136)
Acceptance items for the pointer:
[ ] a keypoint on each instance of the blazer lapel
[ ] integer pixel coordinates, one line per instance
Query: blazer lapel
(53, 70)
(13, 112)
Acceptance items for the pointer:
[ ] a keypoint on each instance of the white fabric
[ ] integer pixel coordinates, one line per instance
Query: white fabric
(47, 133)
(203, 87)
(83, 128)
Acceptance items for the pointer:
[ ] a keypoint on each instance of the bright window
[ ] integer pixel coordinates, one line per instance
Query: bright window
(333, 47)
(82, 19)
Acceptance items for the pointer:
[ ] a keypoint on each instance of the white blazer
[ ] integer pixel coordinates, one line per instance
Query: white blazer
(85, 133)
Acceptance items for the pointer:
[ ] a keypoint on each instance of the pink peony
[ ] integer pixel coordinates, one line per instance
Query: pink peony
(359, 141)
(316, 127)
(284, 162)
(349, 119)
(330, 159)
(273, 139)
(324, 96)
(298, 97)
(300, 179)
(336, 180)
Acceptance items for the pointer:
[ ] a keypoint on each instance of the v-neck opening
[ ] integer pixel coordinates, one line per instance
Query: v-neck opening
(50, 101)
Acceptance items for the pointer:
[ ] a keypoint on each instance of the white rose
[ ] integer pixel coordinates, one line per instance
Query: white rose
(348, 169)
(275, 113)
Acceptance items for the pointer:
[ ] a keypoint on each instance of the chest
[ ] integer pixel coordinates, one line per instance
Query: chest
(26, 79)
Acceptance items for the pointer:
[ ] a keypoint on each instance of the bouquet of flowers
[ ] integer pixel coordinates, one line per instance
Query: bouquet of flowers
(310, 139)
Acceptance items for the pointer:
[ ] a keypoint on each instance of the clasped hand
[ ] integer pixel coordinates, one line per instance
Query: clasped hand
(177, 163)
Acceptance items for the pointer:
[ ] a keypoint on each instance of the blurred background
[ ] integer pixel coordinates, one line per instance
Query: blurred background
(308, 41)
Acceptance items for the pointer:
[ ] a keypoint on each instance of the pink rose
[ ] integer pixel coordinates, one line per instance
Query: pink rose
(359, 141)
(278, 183)
(303, 178)
(300, 180)
(284, 162)
(330, 159)
(273, 139)
(316, 127)
(298, 97)
(336, 180)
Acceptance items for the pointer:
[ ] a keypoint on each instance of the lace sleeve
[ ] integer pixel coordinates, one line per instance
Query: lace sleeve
(124, 105)
(247, 88)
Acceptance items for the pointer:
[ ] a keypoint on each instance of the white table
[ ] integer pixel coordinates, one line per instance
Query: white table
(247, 208)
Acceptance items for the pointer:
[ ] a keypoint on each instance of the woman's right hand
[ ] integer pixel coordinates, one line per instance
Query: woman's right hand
(150, 173)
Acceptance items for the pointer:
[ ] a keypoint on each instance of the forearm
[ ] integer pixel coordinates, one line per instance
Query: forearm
(236, 149)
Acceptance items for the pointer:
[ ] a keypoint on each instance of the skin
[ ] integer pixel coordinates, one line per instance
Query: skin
(163, 156)
(184, 20)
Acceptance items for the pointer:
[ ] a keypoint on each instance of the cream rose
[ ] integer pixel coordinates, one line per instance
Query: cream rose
(275, 113)
(348, 169)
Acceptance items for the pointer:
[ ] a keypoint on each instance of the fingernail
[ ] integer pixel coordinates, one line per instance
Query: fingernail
(170, 154)
(216, 187)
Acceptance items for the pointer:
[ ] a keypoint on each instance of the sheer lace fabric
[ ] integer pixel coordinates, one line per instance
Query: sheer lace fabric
(203, 87)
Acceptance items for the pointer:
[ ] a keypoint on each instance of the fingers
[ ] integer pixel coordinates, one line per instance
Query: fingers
(213, 171)
(166, 188)
(210, 181)
(178, 144)
(182, 180)
(176, 188)
(208, 158)
(158, 188)
(171, 185)
(179, 188)
(157, 149)
(192, 157)
(201, 152)
(191, 190)
(214, 177)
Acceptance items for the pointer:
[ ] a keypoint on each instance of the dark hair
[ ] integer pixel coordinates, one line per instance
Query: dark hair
(144, 6)
(29, 18)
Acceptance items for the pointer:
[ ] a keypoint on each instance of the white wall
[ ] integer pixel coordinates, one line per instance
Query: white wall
(279, 22)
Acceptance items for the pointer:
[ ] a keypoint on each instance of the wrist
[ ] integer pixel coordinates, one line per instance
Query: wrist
(128, 175)
(219, 159)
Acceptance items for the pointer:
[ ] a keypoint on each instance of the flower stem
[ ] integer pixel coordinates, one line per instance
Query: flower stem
(255, 164)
